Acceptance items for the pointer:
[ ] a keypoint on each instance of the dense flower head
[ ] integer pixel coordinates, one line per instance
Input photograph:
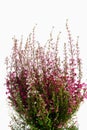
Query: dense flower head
(43, 89)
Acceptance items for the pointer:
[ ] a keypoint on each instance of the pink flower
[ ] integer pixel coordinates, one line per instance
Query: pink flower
(69, 110)
(12, 75)
(60, 126)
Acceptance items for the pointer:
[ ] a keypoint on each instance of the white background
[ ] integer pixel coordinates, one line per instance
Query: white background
(17, 17)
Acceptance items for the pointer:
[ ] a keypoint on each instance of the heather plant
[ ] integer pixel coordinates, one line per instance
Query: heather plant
(44, 89)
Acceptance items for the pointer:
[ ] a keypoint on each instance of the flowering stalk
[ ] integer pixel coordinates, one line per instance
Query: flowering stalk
(44, 90)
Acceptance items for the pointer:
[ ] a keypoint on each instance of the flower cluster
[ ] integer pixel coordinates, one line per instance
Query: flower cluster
(45, 90)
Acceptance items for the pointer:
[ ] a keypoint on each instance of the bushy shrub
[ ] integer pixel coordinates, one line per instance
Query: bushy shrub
(45, 90)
